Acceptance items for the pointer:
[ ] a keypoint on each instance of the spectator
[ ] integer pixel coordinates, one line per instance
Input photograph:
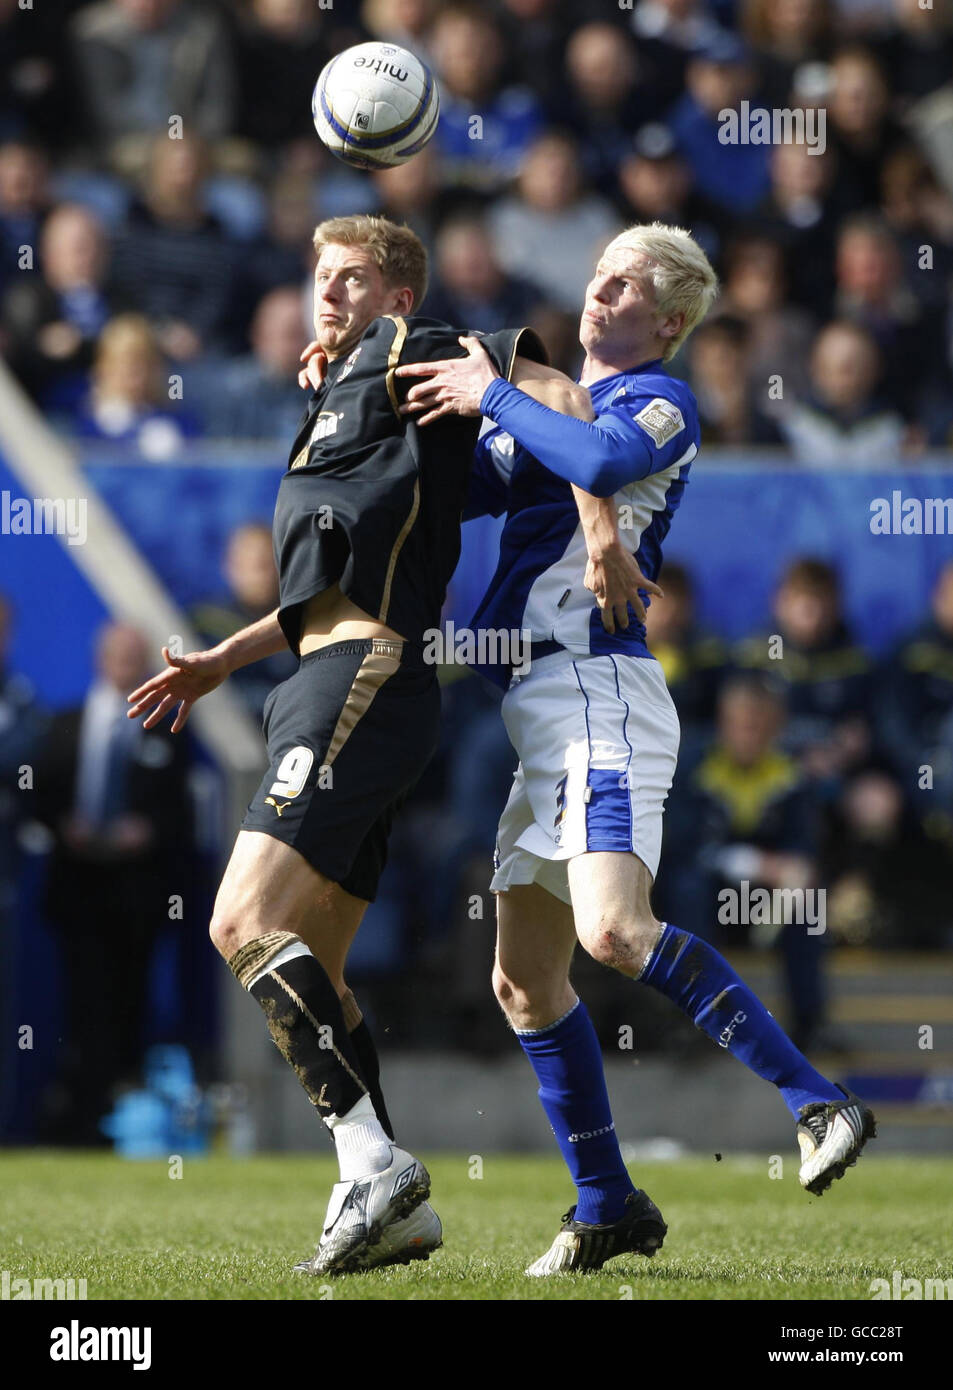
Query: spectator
(694, 661)
(608, 98)
(53, 319)
(470, 289)
(930, 121)
(141, 61)
(915, 701)
(861, 130)
(668, 34)
(827, 674)
(552, 210)
(284, 254)
(24, 202)
(730, 407)
(919, 214)
(871, 292)
(785, 34)
(917, 48)
(843, 421)
(413, 193)
(800, 213)
(468, 52)
(720, 77)
(37, 98)
(257, 396)
(874, 850)
(21, 731)
(535, 34)
(282, 46)
(742, 818)
(173, 261)
(656, 186)
(559, 330)
(754, 290)
(114, 797)
(129, 402)
(404, 22)
(252, 592)
(22, 725)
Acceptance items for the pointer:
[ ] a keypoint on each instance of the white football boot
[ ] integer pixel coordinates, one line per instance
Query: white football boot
(414, 1238)
(360, 1211)
(831, 1136)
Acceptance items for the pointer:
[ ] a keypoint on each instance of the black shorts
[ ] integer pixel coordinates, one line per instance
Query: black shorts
(348, 736)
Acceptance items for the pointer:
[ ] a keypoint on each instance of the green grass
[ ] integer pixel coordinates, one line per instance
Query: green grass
(232, 1229)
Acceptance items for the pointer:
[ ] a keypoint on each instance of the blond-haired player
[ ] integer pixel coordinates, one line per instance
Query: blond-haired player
(596, 730)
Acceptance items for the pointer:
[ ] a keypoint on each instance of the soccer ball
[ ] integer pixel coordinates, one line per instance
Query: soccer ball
(375, 105)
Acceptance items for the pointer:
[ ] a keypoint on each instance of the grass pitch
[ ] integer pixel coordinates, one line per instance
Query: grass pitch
(231, 1229)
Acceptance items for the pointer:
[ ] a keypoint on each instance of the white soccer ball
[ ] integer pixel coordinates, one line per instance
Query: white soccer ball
(375, 105)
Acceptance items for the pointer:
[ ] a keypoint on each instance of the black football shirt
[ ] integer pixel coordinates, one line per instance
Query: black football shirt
(372, 501)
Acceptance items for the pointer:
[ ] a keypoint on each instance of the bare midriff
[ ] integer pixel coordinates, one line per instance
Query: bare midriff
(331, 617)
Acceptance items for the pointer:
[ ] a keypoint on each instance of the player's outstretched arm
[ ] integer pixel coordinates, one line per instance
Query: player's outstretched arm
(600, 453)
(456, 386)
(187, 678)
(552, 388)
(612, 574)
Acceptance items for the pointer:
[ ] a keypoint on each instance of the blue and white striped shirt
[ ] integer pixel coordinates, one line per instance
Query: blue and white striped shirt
(638, 450)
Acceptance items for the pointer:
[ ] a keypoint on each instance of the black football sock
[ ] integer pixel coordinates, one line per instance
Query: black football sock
(363, 1044)
(304, 1018)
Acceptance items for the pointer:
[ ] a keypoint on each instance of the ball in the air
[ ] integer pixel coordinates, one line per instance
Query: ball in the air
(375, 105)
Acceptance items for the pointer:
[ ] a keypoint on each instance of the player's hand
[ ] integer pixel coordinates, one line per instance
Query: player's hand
(454, 387)
(615, 579)
(184, 680)
(312, 374)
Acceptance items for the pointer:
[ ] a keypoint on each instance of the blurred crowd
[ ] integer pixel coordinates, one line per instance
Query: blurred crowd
(160, 179)
(806, 766)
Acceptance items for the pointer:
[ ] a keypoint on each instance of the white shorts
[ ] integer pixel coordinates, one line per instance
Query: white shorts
(597, 738)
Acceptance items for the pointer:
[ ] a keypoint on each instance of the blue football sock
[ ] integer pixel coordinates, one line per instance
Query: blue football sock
(567, 1060)
(700, 981)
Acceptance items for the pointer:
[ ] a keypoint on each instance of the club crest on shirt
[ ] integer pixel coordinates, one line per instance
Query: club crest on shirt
(349, 364)
(660, 419)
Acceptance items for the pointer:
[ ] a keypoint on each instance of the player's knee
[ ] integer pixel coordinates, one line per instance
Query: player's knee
(227, 931)
(516, 1000)
(622, 943)
(529, 1004)
(505, 990)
